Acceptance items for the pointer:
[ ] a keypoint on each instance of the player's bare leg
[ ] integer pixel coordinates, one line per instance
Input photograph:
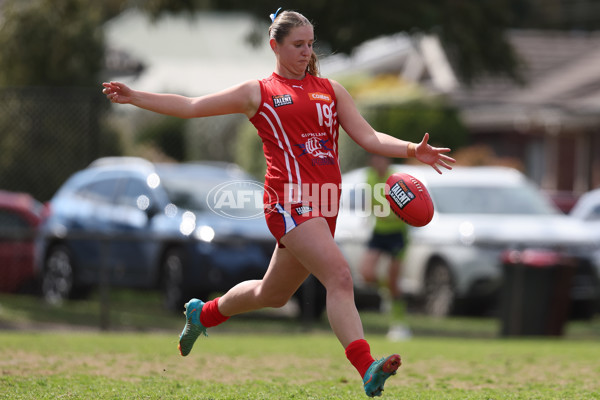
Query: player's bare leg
(312, 244)
(283, 277)
(322, 257)
(368, 265)
(393, 275)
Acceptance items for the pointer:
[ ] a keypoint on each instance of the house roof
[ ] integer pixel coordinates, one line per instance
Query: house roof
(562, 74)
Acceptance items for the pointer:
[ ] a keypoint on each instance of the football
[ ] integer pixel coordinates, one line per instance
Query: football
(409, 199)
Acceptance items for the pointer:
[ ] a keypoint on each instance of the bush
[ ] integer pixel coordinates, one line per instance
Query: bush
(168, 135)
(407, 122)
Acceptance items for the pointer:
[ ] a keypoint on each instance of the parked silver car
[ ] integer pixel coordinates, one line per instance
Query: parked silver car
(454, 262)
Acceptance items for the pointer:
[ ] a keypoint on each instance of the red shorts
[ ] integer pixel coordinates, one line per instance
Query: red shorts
(281, 220)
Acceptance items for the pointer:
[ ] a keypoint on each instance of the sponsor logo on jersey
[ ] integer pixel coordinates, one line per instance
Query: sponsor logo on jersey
(401, 195)
(282, 100)
(317, 96)
(316, 147)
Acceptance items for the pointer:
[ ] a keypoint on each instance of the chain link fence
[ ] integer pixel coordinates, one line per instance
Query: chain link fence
(46, 134)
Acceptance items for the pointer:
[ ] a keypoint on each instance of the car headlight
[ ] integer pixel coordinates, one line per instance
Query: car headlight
(205, 233)
(467, 233)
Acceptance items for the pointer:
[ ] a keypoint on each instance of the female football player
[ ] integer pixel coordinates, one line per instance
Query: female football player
(297, 115)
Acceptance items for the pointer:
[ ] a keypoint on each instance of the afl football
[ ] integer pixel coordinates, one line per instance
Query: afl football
(409, 199)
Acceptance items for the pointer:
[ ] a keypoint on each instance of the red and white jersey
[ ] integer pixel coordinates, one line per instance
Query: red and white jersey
(297, 122)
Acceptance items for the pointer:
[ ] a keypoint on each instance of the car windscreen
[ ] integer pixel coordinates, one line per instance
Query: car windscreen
(522, 200)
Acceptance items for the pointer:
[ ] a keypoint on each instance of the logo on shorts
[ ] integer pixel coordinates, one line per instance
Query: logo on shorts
(303, 210)
(282, 100)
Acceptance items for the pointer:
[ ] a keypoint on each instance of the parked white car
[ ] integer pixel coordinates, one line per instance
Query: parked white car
(479, 213)
(587, 209)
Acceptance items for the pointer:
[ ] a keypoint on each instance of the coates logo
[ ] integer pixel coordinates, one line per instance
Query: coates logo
(241, 199)
(320, 97)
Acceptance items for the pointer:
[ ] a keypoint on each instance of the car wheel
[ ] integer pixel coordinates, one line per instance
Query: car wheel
(439, 295)
(173, 280)
(58, 275)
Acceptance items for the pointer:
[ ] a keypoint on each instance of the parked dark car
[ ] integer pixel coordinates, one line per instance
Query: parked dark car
(188, 229)
(19, 219)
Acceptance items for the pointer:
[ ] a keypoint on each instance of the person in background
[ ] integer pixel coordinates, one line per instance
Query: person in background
(388, 239)
(297, 115)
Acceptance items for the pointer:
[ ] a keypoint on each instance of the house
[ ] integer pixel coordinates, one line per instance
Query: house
(552, 122)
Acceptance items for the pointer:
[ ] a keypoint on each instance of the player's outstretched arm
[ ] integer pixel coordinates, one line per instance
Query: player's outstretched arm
(243, 99)
(381, 143)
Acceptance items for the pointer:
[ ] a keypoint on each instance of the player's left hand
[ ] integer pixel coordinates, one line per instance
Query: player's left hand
(433, 155)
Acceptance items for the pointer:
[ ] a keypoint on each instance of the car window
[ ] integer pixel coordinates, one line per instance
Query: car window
(594, 214)
(12, 226)
(136, 193)
(187, 194)
(10, 220)
(490, 200)
(100, 191)
(242, 198)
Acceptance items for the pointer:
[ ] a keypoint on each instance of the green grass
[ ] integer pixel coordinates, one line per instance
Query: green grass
(71, 365)
(59, 353)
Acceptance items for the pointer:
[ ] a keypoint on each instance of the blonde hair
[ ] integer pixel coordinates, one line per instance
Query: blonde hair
(281, 27)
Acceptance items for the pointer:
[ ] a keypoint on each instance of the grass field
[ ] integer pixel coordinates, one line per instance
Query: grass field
(276, 358)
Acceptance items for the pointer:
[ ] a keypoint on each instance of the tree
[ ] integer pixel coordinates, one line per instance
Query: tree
(51, 54)
(573, 15)
(49, 43)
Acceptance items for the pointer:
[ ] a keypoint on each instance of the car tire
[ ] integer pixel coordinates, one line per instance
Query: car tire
(440, 295)
(58, 276)
(173, 281)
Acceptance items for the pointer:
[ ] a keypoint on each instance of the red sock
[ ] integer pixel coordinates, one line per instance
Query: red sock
(359, 355)
(210, 315)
